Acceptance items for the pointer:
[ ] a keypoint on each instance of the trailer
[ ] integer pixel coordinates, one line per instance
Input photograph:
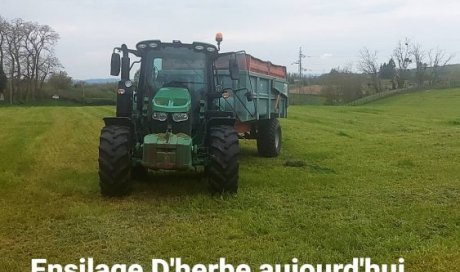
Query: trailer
(261, 92)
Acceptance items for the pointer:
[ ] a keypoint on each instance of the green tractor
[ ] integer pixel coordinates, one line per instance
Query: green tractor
(189, 106)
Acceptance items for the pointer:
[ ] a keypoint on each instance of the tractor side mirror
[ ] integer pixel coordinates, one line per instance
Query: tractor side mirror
(115, 64)
(234, 69)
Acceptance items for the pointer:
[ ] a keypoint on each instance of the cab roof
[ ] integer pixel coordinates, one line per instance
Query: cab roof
(157, 44)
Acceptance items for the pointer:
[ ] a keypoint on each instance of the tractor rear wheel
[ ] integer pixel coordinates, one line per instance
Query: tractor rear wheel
(115, 160)
(269, 137)
(223, 167)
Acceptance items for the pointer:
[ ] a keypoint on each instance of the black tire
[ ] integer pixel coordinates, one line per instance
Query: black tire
(115, 161)
(222, 169)
(269, 137)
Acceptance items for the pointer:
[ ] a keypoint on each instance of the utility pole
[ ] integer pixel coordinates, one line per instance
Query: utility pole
(299, 62)
(301, 69)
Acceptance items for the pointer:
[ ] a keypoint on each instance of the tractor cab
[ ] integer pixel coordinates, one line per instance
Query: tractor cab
(173, 82)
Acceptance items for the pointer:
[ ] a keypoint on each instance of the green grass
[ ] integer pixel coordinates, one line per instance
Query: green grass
(380, 181)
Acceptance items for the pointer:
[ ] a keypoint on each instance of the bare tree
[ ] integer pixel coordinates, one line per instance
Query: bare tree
(40, 41)
(14, 39)
(3, 25)
(47, 65)
(3, 79)
(402, 54)
(437, 58)
(420, 64)
(28, 56)
(368, 65)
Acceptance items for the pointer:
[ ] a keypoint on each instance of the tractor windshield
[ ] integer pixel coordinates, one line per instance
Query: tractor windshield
(177, 67)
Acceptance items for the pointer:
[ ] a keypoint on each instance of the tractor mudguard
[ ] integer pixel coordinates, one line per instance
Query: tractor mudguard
(216, 121)
(118, 121)
(220, 118)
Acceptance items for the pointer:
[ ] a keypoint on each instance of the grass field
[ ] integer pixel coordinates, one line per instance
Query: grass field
(380, 180)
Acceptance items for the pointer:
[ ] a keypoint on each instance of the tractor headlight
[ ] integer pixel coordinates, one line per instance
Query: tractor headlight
(225, 94)
(199, 47)
(160, 116)
(180, 117)
(128, 83)
(153, 45)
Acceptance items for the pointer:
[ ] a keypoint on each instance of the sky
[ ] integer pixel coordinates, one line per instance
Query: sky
(331, 33)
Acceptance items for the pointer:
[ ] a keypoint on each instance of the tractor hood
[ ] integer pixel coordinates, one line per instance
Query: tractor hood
(172, 99)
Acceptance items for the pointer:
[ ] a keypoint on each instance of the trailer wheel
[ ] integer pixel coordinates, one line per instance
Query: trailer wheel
(222, 169)
(269, 137)
(115, 161)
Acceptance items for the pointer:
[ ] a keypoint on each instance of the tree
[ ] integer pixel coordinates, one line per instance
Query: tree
(14, 37)
(402, 55)
(60, 81)
(137, 76)
(27, 54)
(420, 64)
(47, 65)
(437, 58)
(41, 39)
(388, 71)
(3, 25)
(341, 86)
(3, 81)
(369, 66)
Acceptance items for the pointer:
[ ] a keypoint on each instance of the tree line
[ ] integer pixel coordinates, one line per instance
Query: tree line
(409, 61)
(410, 65)
(27, 58)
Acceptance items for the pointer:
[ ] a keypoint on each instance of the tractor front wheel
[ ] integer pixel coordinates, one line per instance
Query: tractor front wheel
(269, 137)
(115, 160)
(223, 167)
